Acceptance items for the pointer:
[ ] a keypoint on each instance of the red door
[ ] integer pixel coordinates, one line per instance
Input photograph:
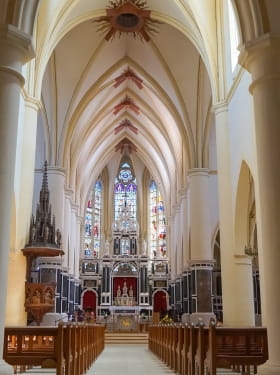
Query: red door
(160, 302)
(89, 301)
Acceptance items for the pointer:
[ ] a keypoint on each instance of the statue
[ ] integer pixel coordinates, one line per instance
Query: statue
(33, 234)
(48, 297)
(58, 238)
(119, 292)
(36, 298)
(130, 291)
(125, 290)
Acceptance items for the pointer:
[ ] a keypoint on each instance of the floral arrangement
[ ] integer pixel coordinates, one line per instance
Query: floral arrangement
(166, 319)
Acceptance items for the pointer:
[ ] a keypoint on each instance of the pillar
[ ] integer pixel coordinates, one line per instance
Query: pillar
(236, 268)
(178, 240)
(15, 51)
(25, 163)
(79, 249)
(185, 230)
(262, 59)
(201, 255)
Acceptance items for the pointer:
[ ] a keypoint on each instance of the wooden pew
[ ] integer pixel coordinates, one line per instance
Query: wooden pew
(185, 349)
(70, 348)
(200, 349)
(238, 347)
(179, 348)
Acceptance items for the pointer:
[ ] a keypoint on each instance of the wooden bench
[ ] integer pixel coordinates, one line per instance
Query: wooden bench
(236, 347)
(191, 350)
(70, 348)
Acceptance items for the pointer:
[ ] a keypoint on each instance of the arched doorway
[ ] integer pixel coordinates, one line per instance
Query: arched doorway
(160, 303)
(89, 301)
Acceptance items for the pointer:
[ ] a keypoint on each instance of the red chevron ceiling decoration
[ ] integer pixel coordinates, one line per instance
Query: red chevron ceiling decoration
(127, 103)
(126, 124)
(125, 145)
(128, 75)
(127, 16)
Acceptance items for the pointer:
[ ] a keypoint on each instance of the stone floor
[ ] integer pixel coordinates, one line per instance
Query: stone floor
(126, 360)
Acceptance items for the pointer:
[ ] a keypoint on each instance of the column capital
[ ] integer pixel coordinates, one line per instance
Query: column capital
(17, 50)
(198, 172)
(261, 57)
(69, 193)
(32, 102)
(243, 259)
(219, 107)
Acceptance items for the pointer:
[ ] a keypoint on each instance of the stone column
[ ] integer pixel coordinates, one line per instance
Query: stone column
(201, 255)
(185, 229)
(262, 59)
(16, 50)
(25, 165)
(25, 162)
(79, 221)
(67, 227)
(236, 270)
(179, 259)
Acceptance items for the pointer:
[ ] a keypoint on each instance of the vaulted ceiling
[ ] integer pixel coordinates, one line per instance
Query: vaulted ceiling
(86, 81)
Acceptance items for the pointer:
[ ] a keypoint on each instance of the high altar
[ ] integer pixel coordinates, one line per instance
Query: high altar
(123, 282)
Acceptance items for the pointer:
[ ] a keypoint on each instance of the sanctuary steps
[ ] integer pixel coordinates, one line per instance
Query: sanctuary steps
(126, 338)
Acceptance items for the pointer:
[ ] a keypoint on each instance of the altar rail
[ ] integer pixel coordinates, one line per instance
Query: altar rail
(70, 348)
(190, 350)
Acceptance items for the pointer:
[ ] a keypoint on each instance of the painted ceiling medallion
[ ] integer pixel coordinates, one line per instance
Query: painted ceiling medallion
(125, 145)
(126, 124)
(127, 103)
(128, 74)
(128, 16)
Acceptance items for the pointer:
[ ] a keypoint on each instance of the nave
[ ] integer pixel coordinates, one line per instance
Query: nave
(124, 360)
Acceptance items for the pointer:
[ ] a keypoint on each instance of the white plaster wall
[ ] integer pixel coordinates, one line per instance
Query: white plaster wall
(242, 137)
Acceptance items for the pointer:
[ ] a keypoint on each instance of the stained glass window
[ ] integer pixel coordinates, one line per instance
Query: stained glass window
(125, 194)
(157, 222)
(93, 222)
(97, 218)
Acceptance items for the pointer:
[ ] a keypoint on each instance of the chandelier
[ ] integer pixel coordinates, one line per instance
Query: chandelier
(130, 17)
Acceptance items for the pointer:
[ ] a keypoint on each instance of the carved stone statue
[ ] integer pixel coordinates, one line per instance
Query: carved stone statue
(124, 290)
(48, 297)
(119, 292)
(130, 291)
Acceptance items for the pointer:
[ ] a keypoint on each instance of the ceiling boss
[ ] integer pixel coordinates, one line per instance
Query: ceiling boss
(131, 17)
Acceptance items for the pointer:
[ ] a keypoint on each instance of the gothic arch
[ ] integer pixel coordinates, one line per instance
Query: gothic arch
(20, 13)
(242, 208)
(252, 17)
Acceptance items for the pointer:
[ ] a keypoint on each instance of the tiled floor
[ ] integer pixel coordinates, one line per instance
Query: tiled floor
(126, 360)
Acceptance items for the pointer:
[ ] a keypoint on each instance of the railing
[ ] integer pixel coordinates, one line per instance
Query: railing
(190, 350)
(70, 348)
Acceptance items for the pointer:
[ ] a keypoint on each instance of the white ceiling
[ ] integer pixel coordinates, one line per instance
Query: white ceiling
(79, 69)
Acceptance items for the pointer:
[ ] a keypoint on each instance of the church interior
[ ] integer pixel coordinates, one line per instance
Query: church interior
(139, 169)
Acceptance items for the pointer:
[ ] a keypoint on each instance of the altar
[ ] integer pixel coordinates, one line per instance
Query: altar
(124, 296)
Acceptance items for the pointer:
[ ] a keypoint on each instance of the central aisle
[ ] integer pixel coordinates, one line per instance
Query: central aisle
(126, 360)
